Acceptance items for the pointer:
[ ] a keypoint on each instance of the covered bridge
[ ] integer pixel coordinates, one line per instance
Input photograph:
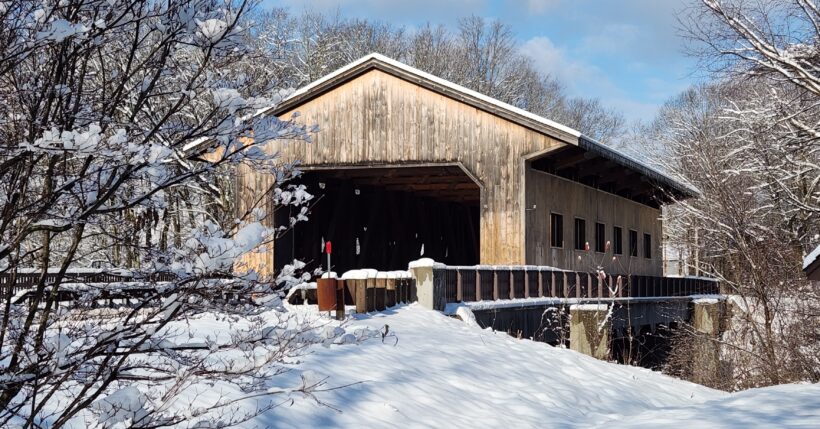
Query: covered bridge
(408, 165)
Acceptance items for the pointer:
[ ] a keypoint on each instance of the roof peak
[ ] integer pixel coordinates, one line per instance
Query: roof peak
(563, 132)
(480, 101)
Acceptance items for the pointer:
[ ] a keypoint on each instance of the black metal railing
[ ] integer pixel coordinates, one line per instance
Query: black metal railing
(484, 282)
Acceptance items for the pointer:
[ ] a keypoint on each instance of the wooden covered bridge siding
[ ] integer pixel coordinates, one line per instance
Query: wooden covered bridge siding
(547, 193)
(378, 119)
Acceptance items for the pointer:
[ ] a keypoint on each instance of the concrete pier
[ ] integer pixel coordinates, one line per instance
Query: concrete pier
(589, 330)
(706, 318)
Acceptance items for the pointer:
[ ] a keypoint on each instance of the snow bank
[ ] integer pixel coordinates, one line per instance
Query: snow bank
(589, 307)
(461, 311)
(443, 372)
(790, 405)
(432, 370)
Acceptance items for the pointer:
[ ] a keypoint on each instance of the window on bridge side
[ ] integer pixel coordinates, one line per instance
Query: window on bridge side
(580, 233)
(617, 240)
(556, 230)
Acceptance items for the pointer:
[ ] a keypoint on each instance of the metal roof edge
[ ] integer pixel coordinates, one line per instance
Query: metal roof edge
(646, 170)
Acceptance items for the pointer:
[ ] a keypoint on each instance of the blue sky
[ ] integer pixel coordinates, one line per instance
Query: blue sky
(627, 53)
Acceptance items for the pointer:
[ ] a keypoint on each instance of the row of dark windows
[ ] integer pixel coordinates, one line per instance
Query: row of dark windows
(580, 237)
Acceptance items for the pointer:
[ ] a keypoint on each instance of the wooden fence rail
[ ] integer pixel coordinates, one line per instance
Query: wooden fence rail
(477, 283)
(29, 280)
(368, 294)
(378, 293)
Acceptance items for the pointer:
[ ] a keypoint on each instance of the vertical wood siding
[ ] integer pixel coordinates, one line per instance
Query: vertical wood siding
(552, 194)
(377, 118)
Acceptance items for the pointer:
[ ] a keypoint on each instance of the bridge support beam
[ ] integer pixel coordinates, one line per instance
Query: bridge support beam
(589, 329)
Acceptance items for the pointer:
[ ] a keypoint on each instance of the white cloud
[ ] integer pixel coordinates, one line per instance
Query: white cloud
(396, 12)
(632, 109)
(553, 60)
(585, 80)
(538, 7)
(612, 38)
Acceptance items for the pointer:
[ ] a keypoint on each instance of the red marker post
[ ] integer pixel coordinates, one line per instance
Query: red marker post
(330, 292)
(328, 250)
(326, 287)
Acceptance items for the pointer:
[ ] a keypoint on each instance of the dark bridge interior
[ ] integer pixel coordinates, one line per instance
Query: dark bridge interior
(384, 217)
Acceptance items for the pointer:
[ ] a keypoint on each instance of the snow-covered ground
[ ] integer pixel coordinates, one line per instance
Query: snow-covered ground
(444, 372)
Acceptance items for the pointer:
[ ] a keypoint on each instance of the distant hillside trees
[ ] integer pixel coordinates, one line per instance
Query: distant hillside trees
(480, 54)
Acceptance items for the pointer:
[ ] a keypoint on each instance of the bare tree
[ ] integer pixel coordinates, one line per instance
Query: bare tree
(743, 233)
(776, 45)
(120, 123)
(749, 142)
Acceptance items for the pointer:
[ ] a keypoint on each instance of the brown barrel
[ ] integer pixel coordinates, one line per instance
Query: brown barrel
(326, 294)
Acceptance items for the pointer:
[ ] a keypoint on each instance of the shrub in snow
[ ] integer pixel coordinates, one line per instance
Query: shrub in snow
(122, 126)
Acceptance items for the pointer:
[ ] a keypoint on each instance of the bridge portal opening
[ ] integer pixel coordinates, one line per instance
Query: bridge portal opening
(384, 217)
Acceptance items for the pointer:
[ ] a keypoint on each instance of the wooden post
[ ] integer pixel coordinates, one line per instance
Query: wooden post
(400, 290)
(360, 293)
(380, 291)
(340, 300)
(408, 291)
(390, 296)
(526, 284)
(478, 285)
(512, 285)
(370, 291)
(459, 290)
(577, 285)
(566, 285)
(495, 285)
(600, 283)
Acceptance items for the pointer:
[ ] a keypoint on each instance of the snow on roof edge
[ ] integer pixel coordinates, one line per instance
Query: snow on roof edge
(648, 170)
(587, 142)
(811, 257)
(443, 82)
